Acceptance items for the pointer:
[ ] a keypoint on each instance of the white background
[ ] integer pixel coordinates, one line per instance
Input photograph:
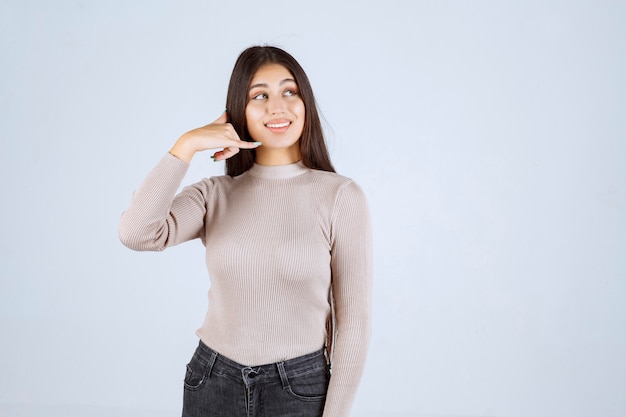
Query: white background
(489, 137)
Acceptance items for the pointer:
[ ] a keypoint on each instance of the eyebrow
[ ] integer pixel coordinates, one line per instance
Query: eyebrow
(286, 80)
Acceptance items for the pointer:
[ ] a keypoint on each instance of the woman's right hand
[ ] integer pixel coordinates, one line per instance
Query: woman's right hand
(219, 134)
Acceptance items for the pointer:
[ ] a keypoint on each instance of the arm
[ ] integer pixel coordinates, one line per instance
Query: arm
(155, 218)
(351, 265)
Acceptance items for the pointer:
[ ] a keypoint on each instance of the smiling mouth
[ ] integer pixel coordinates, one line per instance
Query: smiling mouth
(277, 125)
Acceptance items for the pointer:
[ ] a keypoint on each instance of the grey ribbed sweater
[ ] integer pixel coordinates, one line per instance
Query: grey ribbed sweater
(276, 239)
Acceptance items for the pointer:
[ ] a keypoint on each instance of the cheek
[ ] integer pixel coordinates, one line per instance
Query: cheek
(299, 109)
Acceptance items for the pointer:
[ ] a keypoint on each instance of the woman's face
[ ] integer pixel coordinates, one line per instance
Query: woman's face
(275, 112)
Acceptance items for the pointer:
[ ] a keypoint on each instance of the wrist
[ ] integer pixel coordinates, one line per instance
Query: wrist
(182, 149)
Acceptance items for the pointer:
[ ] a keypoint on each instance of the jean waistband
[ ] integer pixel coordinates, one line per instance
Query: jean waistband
(291, 367)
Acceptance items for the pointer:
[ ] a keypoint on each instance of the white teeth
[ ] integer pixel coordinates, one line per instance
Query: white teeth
(277, 125)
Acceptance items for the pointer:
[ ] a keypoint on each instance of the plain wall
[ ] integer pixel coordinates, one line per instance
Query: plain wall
(488, 136)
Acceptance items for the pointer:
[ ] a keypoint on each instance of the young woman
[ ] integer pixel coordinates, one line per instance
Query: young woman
(288, 250)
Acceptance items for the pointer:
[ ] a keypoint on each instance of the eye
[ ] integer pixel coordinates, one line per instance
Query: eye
(259, 96)
(290, 93)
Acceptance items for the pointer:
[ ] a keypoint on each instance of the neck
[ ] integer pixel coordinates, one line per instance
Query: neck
(269, 156)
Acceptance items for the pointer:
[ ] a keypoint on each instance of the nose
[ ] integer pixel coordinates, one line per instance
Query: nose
(275, 105)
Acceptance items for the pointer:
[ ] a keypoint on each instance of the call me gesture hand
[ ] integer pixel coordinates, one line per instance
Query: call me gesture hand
(219, 134)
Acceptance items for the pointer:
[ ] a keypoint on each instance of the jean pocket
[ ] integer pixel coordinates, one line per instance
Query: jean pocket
(309, 386)
(197, 373)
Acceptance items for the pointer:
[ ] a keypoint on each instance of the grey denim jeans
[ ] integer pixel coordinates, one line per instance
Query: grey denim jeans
(216, 386)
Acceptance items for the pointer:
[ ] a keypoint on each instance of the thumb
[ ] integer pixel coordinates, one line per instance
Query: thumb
(222, 119)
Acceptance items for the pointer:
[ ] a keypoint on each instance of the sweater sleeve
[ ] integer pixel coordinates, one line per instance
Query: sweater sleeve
(352, 270)
(156, 217)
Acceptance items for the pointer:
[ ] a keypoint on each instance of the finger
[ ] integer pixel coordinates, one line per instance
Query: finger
(242, 144)
(232, 140)
(228, 152)
(225, 153)
(217, 156)
(231, 133)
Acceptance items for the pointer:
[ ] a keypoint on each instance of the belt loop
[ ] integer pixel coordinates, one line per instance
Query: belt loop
(211, 363)
(283, 374)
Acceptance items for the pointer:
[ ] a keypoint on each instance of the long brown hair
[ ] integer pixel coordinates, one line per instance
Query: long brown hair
(312, 143)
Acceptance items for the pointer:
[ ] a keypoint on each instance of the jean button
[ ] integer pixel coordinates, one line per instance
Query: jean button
(252, 374)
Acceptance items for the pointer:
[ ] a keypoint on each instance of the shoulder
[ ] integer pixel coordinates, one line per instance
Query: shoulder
(343, 184)
(332, 179)
(212, 186)
(345, 192)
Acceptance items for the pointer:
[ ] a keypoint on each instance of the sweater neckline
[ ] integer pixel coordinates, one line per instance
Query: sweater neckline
(275, 172)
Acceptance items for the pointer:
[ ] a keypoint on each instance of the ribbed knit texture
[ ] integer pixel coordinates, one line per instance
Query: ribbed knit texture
(276, 239)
